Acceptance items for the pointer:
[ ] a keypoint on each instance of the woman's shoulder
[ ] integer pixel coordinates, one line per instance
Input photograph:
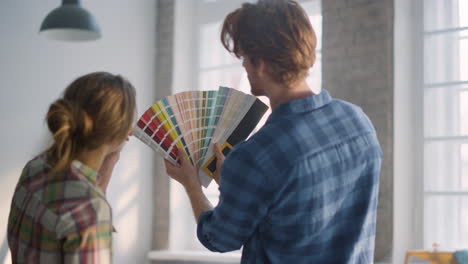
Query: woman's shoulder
(61, 191)
(35, 167)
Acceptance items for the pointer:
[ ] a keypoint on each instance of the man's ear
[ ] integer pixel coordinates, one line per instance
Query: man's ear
(262, 68)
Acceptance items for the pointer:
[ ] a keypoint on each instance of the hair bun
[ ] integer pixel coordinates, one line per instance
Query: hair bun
(60, 119)
(66, 120)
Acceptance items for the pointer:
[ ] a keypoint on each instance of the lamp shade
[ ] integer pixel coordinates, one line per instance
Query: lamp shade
(70, 22)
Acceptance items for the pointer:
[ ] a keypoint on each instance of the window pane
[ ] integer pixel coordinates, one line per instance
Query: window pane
(212, 193)
(234, 77)
(446, 111)
(445, 165)
(463, 13)
(443, 14)
(212, 52)
(464, 167)
(313, 9)
(446, 221)
(464, 54)
(463, 103)
(445, 57)
(314, 80)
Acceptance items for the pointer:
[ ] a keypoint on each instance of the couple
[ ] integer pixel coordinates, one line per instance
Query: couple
(303, 189)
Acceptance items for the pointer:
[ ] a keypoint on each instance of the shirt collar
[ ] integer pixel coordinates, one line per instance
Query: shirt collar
(86, 171)
(307, 104)
(90, 175)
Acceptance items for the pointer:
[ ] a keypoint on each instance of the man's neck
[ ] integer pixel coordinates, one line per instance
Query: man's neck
(280, 94)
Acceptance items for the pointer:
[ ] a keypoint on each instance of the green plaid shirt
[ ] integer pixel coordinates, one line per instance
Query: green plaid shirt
(60, 218)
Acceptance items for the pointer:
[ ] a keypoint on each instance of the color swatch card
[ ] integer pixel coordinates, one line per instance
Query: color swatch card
(191, 121)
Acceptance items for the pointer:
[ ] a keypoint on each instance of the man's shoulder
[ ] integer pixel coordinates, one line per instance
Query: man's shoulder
(351, 117)
(305, 132)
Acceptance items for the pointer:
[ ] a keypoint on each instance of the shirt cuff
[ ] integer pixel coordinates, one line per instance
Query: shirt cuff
(203, 236)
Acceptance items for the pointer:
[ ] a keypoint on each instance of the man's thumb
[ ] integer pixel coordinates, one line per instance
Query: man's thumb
(219, 154)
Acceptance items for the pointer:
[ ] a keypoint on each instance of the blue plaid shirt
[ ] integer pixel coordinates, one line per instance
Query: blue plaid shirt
(303, 189)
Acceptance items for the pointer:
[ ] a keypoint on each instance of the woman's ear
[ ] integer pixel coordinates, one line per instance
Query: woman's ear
(131, 133)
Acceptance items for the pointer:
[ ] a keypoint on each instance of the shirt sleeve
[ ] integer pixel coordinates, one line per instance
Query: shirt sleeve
(243, 203)
(87, 234)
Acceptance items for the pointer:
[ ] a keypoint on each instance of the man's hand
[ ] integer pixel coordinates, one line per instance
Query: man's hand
(219, 161)
(185, 173)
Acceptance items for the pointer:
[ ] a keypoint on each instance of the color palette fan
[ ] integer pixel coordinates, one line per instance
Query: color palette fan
(191, 121)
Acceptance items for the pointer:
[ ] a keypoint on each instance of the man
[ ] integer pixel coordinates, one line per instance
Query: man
(304, 188)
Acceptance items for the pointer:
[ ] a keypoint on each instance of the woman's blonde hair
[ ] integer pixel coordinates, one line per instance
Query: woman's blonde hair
(96, 109)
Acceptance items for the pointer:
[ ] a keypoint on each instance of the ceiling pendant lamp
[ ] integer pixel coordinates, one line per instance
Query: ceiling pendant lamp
(70, 22)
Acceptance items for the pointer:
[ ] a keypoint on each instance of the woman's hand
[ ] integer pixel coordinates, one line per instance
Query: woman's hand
(105, 172)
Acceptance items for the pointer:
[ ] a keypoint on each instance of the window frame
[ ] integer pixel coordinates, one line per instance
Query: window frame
(454, 88)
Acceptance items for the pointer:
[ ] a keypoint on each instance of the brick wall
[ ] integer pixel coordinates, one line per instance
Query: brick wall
(357, 66)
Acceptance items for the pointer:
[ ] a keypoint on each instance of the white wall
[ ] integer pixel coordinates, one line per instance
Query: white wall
(34, 71)
(182, 223)
(408, 154)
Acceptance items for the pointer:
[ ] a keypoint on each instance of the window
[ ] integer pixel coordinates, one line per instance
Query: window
(212, 67)
(446, 123)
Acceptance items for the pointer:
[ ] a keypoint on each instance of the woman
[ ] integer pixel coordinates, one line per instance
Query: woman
(59, 212)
